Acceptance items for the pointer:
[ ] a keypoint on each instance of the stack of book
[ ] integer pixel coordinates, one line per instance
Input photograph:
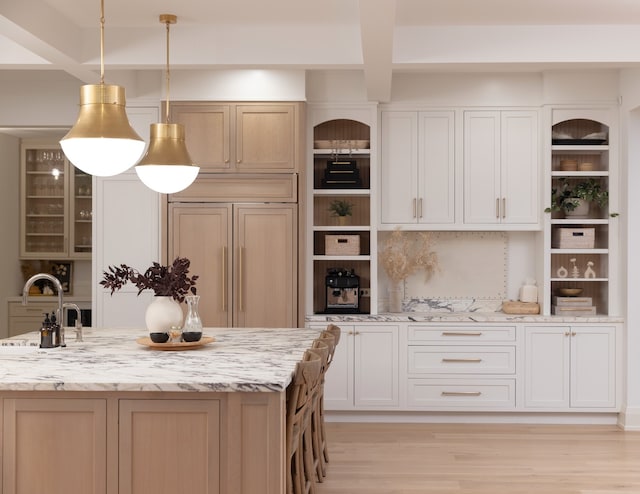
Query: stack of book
(573, 306)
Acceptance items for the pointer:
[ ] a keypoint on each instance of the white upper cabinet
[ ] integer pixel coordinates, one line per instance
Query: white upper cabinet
(501, 170)
(417, 180)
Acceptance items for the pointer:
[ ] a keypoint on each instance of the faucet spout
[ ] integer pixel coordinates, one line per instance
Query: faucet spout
(58, 285)
(78, 325)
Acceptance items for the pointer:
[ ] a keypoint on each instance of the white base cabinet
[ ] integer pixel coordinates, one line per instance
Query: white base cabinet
(570, 367)
(364, 372)
(471, 367)
(461, 367)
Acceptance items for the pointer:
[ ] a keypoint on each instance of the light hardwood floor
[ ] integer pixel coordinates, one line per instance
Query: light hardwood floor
(480, 459)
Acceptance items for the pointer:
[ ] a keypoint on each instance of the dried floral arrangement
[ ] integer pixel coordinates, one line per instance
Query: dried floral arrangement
(405, 253)
(165, 281)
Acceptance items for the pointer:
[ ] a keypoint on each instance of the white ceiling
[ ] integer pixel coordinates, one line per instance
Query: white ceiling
(379, 37)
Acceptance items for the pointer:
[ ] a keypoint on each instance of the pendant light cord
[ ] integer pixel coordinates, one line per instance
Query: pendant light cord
(168, 77)
(102, 42)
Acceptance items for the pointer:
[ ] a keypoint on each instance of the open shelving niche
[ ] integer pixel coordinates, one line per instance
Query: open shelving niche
(600, 153)
(342, 134)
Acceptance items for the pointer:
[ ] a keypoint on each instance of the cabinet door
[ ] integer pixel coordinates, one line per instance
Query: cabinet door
(44, 203)
(436, 167)
(266, 138)
(593, 368)
(80, 213)
(520, 167)
(169, 446)
(338, 386)
(265, 265)
(547, 367)
(482, 167)
(399, 167)
(207, 129)
(376, 366)
(202, 233)
(74, 460)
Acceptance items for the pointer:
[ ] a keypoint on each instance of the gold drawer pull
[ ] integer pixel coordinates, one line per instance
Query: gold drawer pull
(462, 333)
(457, 360)
(461, 393)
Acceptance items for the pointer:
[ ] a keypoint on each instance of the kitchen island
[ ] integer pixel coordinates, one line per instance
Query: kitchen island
(108, 415)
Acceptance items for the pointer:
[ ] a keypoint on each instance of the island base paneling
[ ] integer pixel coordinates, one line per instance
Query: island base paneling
(142, 443)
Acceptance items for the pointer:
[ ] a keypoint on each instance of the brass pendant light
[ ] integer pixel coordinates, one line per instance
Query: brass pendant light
(102, 141)
(167, 166)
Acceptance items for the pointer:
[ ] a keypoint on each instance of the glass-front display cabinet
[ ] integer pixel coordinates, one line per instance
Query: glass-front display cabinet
(55, 205)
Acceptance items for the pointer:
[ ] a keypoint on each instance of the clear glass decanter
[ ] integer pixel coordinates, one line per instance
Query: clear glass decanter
(192, 329)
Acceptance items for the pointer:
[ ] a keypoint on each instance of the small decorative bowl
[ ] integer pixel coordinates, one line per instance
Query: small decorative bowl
(159, 337)
(569, 292)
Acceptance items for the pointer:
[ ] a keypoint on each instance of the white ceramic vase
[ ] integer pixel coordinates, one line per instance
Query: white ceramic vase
(162, 314)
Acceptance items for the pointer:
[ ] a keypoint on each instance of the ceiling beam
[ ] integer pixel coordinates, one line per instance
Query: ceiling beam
(48, 35)
(377, 23)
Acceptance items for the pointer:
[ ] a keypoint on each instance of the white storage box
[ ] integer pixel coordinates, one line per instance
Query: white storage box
(342, 245)
(574, 238)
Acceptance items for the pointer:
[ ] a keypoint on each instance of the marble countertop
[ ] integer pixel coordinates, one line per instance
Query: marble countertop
(482, 317)
(240, 359)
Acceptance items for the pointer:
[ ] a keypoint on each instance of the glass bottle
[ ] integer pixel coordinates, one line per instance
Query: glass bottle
(192, 329)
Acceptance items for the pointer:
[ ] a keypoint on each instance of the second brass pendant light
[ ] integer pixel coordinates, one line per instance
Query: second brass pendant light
(167, 167)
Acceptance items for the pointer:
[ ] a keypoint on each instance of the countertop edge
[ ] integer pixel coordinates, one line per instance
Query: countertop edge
(471, 317)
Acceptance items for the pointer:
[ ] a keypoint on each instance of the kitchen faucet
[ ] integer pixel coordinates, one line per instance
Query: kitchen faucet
(58, 285)
(78, 325)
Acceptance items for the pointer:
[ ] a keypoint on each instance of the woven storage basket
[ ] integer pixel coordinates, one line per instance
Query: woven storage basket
(342, 245)
(574, 238)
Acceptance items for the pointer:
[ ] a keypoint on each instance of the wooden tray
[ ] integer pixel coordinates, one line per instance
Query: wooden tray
(182, 345)
(516, 307)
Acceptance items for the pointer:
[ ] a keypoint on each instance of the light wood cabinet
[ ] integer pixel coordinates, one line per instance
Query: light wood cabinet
(501, 169)
(417, 171)
(241, 137)
(85, 442)
(569, 367)
(56, 211)
(246, 258)
(72, 459)
(181, 437)
(364, 372)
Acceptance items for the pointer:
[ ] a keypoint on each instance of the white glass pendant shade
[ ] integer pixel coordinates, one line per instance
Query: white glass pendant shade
(167, 167)
(102, 141)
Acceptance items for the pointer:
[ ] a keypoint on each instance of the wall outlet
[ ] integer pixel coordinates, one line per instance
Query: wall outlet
(365, 292)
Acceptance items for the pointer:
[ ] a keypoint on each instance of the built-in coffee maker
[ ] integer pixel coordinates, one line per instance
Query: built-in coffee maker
(343, 291)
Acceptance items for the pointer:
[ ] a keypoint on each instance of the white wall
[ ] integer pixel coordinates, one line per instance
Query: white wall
(630, 175)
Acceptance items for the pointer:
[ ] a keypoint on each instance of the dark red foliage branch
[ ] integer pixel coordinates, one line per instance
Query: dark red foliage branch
(165, 281)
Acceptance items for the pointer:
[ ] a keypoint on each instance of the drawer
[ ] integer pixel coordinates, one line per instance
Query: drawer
(469, 393)
(461, 359)
(33, 309)
(461, 334)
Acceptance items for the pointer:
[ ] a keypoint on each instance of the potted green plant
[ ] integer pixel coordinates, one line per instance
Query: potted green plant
(341, 208)
(573, 197)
